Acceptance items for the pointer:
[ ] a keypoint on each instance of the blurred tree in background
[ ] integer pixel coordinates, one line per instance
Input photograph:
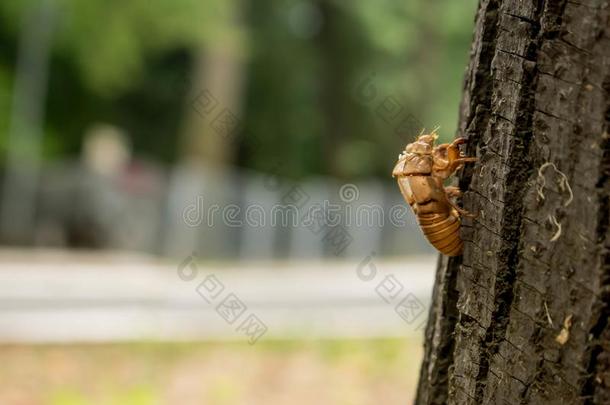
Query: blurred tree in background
(138, 64)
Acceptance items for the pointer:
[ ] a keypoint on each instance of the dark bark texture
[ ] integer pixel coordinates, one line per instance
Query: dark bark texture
(522, 316)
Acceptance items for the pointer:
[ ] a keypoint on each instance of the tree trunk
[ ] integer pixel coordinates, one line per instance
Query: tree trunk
(213, 121)
(522, 316)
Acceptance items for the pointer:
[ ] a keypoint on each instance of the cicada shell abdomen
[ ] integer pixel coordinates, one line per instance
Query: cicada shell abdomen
(443, 231)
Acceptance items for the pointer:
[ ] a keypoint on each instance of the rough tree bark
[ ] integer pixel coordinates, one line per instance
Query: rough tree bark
(522, 316)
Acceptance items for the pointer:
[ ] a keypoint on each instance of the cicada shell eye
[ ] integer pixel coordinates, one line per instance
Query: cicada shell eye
(399, 167)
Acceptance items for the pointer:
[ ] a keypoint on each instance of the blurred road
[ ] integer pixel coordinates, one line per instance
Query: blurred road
(57, 296)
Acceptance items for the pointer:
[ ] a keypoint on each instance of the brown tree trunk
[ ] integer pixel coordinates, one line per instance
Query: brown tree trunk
(213, 119)
(522, 316)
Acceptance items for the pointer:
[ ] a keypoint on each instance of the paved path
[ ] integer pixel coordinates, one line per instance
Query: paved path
(65, 297)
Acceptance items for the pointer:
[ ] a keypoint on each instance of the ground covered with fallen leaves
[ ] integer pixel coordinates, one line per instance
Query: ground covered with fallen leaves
(333, 372)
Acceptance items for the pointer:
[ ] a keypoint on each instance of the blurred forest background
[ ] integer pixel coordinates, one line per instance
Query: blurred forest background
(121, 122)
(132, 92)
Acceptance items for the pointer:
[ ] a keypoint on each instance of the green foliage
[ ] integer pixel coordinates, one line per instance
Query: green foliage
(423, 51)
(109, 40)
(5, 105)
(130, 63)
(416, 51)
